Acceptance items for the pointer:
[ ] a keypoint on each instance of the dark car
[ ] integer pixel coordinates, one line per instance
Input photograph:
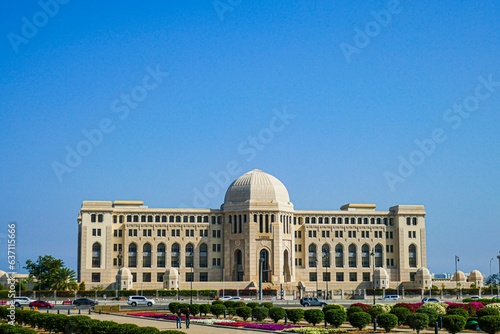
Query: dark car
(85, 301)
(41, 304)
(312, 301)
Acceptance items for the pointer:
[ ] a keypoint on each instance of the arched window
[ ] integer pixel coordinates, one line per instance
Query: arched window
(160, 255)
(146, 255)
(189, 255)
(238, 256)
(175, 256)
(412, 256)
(378, 256)
(203, 256)
(365, 256)
(352, 256)
(132, 255)
(96, 255)
(312, 256)
(325, 254)
(339, 256)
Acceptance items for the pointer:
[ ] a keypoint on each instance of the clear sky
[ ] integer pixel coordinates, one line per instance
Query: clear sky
(343, 101)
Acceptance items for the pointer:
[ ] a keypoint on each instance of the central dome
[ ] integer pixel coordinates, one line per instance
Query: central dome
(257, 190)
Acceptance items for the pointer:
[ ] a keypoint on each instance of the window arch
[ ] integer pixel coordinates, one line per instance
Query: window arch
(203, 256)
(160, 255)
(96, 255)
(132, 255)
(312, 256)
(325, 254)
(339, 256)
(378, 256)
(352, 256)
(412, 256)
(189, 255)
(146, 255)
(175, 256)
(365, 256)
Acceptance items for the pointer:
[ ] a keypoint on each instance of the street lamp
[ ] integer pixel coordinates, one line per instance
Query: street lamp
(373, 274)
(326, 258)
(317, 290)
(192, 278)
(491, 285)
(457, 259)
(261, 263)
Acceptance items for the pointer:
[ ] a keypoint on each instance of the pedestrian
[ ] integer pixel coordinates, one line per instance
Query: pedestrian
(188, 318)
(179, 319)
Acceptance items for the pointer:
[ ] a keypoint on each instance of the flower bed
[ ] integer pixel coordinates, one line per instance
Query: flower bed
(147, 314)
(315, 330)
(268, 327)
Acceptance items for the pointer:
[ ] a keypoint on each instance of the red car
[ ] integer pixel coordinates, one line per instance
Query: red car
(41, 304)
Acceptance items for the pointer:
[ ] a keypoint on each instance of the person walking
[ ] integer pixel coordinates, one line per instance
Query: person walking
(188, 317)
(178, 322)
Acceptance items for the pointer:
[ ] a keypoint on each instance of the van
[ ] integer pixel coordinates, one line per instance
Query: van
(390, 297)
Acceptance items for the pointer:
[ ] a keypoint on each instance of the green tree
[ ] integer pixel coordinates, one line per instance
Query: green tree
(64, 280)
(359, 320)
(81, 286)
(44, 269)
(314, 316)
(244, 312)
(387, 321)
(277, 313)
(204, 308)
(295, 314)
(454, 323)
(401, 312)
(217, 310)
(431, 313)
(490, 323)
(260, 313)
(335, 316)
(417, 321)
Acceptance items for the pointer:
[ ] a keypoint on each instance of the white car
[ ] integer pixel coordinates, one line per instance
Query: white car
(22, 301)
(226, 298)
(236, 299)
(140, 300)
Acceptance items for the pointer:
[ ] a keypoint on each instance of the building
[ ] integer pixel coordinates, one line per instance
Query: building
(127, 245)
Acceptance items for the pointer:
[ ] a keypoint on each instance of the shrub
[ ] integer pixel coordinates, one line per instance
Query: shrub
(260, 313)
(239, 304)
(387, 321)
(333, 307)
(205, 308)
(148, 330)
(295, 314)
(402, 313)
(417, 321)
(335, 317)
(363, 306)
(269, 305)
(412, 307)
(439, 307)
(431, 313)
(277, 313)
(122, 329)
(375, 311)
(458, 311)
(490, 323)
(195, 309)
(488, 311)
(353, 309)
(103, 327)
(9, 329)
(80, 323)
(454, 323)
(252, 305)
(229, 303)
(244, 312)
(314, 316)
(231, 311)
(217, 302)
(359, 320)
(217, 310)
(173, 307)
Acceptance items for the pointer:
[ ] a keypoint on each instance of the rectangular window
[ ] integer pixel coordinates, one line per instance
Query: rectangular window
(146, 277)
(120, 234)
(204, 277)
(115, 247)
(94, 232)
(129, 219)
(313, 277)
(92, 218)
(366, 277)
(172, 233)
(414, 234)
(339, 277)
(412, 277)
(187, 233)
(326, 277)
(96, 277)
(159, 277)
(353, 277)
(178, 233)
(190, 277)
(115, 261)
(134, 277)
(144, 233)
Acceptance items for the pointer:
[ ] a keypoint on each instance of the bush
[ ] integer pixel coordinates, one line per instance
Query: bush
(268, 305)
(295, 314)
(260, 313)
(231, 312)
(458, 311)
(229, 303)
(439, 307)
(454, 323)
(244, 312)
(173, 307)
(122, 329)
(148, 330)
(80, 323)
(402, 313)
(417, 321)
(9, 329)
(488, 311)
(277, 313)
(359, 320)
(218, 302)
(104, 327)
(353, 309)
(363, 306)
(375, 311)
(205, 308)
(387, 321)
(431, 313)
(314, 316)
(335, 317)
(490, 323)
(333, 307)
(239, 304)
(252, 305)
(217, 310)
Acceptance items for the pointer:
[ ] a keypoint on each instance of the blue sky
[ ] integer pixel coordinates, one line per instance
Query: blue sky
(376, 102)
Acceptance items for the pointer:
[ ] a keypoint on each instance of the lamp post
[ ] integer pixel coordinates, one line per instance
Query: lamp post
(326, 257)
(317, 290)
(457, 259)
(261, 262)
(373, 273)
(192, 279)
(179, 286)
(491, 283)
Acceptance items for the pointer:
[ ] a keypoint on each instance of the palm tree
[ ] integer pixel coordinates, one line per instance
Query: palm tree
(64, 279)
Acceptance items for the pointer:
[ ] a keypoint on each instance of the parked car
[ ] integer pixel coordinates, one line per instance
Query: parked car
(41, 304)
(474, 297)
(85, 301)
(22, 301)
(312, 301)
(236, 298)
(226, 298)
(390, 297)
(140, 300)
(430, 300)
